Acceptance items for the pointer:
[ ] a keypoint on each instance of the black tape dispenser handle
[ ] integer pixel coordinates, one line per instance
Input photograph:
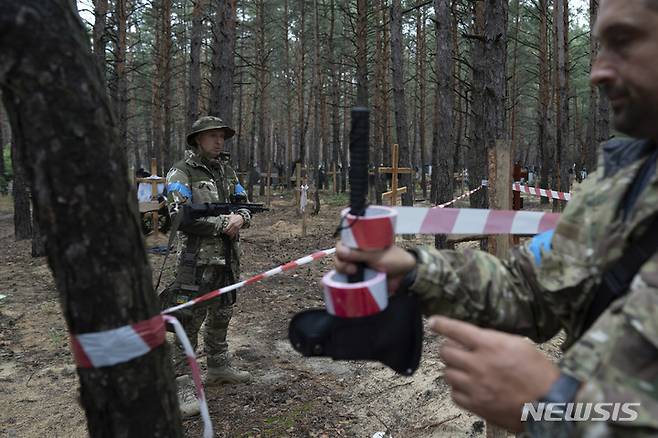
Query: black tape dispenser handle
(359, 134)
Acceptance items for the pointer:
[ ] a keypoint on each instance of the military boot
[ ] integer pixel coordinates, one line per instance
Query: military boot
(226, 374)
(187, 401)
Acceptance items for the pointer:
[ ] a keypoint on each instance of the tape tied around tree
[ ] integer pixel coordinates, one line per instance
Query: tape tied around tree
(123, 344)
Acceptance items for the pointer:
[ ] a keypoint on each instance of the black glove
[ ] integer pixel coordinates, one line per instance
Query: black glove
(393, 336)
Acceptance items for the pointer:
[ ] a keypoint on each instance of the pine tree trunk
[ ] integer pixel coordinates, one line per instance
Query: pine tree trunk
(443, 147)
(397, 75)
(196, 37)
(157, 96)
(5, 139)
(289, 86)
(262, 84)
(300, 84)
(223, 67)
(477, 159)
(94, 245)
(165, 83)
(546, 155)
(590, 133)
(362, 53)
(561, 169)
(99, 36)
(38, 243)
(22, 215)
(422, 98)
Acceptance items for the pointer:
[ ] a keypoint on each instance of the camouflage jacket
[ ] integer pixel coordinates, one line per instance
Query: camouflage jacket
(196, 180)
(544, 287)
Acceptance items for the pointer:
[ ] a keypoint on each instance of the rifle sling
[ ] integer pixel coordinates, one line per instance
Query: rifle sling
(616, 280)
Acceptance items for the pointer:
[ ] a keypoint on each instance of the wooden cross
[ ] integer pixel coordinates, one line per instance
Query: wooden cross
(395, 171)
(154, 236)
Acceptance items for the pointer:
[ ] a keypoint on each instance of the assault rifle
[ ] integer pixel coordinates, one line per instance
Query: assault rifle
(196, 211)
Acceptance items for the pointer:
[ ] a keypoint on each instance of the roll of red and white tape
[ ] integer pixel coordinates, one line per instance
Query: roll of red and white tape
(375, 230)
(355, 300)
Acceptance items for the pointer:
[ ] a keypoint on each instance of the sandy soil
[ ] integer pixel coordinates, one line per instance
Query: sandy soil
(290, 396)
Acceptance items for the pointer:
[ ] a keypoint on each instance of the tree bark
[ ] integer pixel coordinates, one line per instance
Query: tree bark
(165, 83)
(196, 37)
(477, 158)
(561, 8)
(546, 154)
(421, 54)
(100, 35)
(22, 215)
(397, 75)
(92, 231)
(289, 86)
(5, 139)
(443, 147)
(223, 67)
(362, 53)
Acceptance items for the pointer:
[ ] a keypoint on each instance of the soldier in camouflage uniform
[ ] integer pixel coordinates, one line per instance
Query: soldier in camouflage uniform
(209, 247)
(548, 284)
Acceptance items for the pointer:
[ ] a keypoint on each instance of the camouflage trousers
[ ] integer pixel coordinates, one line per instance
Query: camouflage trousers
(216, 315)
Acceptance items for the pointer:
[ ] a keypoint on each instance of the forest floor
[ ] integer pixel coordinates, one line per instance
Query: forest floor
(290, 395)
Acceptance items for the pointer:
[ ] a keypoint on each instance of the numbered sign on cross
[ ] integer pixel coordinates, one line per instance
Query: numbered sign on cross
(395, 171)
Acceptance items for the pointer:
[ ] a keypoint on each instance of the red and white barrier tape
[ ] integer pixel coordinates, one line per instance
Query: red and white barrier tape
(374, 230)
(546, 193)
(465, 195)
(196, 374)
(111, 347)
(413, 220)
(287, 267)
(355, 300)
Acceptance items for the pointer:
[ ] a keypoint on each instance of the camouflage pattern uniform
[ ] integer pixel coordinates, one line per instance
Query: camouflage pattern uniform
(545, 287)
(196, 179)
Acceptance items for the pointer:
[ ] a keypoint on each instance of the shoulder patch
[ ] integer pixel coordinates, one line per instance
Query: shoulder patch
(541, 242)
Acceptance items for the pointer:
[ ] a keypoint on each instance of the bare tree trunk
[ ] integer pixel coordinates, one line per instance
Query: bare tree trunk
(196, 38)
(98, 260)
(165, 83)
(100, 35)
(422, 88)
(262, 84)
(443, 147)
(477, 158)
(300, 83)
(221, 97)
(38, 243)
(119, 84)
(335, 94)
(289, 86)
(399, 100)
(362, 53)
(5, 139)
(158, 98)
(515, 82)
(22, 215)
(560, 9)
(545, 148)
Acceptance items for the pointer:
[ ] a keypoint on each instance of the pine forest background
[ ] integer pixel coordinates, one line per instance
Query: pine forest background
(444, 79)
